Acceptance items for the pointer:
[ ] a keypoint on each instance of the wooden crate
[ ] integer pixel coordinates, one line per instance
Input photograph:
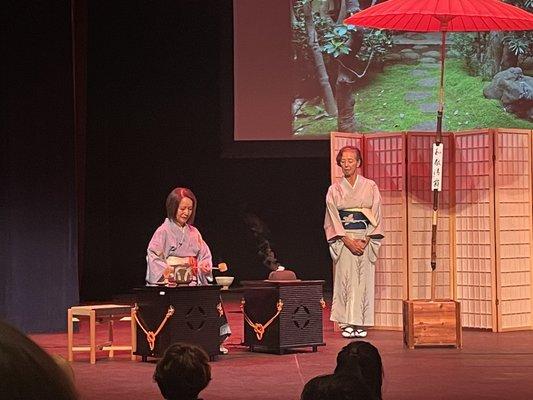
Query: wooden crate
(432, 323)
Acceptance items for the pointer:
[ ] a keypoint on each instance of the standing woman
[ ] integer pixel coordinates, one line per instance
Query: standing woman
(178, 239)
(354, 231)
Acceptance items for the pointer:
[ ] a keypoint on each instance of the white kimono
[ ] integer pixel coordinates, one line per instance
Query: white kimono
(353, 286)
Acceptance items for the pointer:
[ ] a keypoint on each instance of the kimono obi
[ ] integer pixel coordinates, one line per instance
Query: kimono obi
(182, 261)
(185, 268)
(356, 218)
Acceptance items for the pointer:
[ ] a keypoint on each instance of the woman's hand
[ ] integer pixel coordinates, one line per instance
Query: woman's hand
(168, 271)
(204, 267)
(361, 244)
(356, 246)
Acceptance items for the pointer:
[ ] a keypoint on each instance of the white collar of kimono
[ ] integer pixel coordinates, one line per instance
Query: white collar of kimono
(348, 183)
(176, 225)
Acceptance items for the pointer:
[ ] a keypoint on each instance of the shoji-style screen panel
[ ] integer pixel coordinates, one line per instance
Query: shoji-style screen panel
(514, 235)
(420, 214)
(337, 141)
(384, 161)
(485, 225)
(474, 229)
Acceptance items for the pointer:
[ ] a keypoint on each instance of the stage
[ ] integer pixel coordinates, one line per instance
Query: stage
(490, 366)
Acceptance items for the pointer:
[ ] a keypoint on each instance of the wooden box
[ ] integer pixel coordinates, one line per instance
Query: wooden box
(432, 323)
(299, 322)
(195, 320)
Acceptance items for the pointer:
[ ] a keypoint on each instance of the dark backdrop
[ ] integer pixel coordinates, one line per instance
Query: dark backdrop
(158, 89)
(158, 97)
(38, 217)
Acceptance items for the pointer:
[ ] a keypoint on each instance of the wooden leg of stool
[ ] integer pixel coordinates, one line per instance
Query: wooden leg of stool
(92, 328)
(133, 337)
(111, 351)
(70, 331)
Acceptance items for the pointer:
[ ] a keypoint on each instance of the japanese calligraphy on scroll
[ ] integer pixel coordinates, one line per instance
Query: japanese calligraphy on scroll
(436, 169)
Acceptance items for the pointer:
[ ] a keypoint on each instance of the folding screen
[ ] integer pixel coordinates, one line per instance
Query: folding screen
(419, 214)
(485, 226)
(384, 162)
(474, 229)
(514, 255)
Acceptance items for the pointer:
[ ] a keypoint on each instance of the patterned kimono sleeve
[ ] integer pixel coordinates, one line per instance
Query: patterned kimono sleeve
(155, 257)
(376, 210)
(204, 258)
(333, 226)
(332, 221)
(374, 244)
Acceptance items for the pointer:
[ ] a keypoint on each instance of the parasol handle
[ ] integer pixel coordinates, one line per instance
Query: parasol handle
(440, 110)
(438, 140)
(434, 244)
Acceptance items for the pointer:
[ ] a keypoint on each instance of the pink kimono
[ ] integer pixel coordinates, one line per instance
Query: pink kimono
(172, 240)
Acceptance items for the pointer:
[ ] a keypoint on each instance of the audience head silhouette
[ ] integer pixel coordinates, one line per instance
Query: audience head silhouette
(336, 387)
(183, 372)
(362, 360)
(28, 372)
(316, 388)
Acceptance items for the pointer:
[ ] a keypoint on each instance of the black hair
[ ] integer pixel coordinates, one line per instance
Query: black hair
(29, 372)
(362, 360)
(183, 372)
(336, 387)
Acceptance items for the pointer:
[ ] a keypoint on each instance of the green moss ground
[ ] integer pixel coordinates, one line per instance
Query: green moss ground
(380, 103)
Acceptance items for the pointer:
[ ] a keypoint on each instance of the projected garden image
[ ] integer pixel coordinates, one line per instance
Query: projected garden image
(352, 79)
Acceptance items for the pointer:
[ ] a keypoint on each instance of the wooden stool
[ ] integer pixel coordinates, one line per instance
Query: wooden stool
(104, 312)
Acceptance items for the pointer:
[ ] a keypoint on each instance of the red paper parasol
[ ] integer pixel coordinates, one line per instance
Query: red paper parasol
(442, 16)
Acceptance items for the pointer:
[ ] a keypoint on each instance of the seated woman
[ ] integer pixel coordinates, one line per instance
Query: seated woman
(177, 239)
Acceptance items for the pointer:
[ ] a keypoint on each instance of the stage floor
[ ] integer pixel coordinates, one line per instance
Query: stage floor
(490, 366)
